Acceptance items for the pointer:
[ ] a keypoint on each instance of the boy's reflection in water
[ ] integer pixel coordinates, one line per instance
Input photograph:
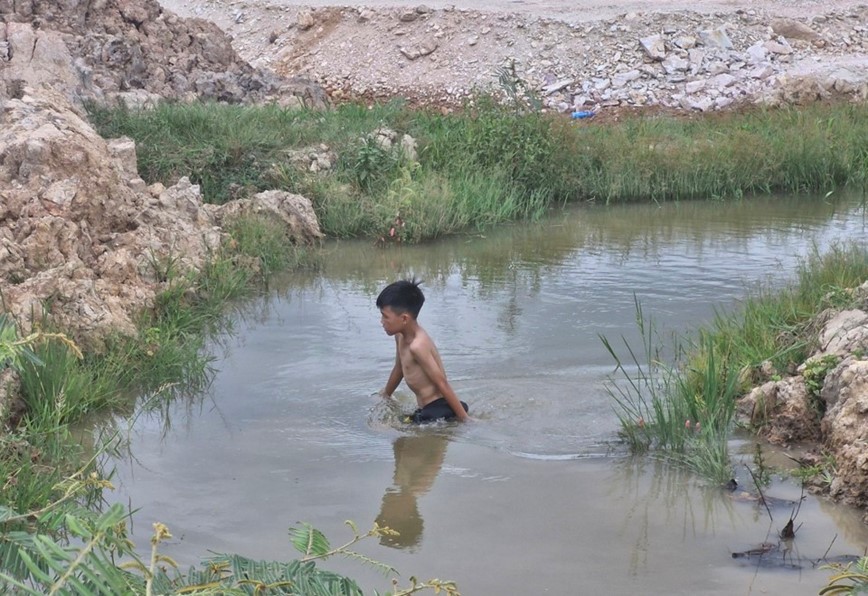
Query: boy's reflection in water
(417, 461)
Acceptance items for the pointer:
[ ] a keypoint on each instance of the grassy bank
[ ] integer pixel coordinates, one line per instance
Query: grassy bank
(40, 461)
(489, 163)
(686, 408)
(59, 385)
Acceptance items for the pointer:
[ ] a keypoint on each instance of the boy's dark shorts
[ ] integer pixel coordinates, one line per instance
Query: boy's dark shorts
(437, 410)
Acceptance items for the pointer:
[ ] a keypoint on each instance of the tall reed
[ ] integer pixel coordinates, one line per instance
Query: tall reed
(685, 413)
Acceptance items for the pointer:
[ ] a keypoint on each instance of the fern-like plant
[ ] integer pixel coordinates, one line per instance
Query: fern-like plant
(36, 564)
(850, 579)
(85, 564)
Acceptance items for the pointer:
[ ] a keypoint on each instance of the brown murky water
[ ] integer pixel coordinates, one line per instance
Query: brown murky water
(535, 497)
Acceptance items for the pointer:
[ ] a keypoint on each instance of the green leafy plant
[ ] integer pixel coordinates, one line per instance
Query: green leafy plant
(371, 164)
(816, 370)
(848, 579)
(814, 374)
(53, 567)
(37, 564)
(822, 472)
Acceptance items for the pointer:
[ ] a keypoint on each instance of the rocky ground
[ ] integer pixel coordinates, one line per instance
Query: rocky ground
(822, 403)
(80, 233)
(579, 56)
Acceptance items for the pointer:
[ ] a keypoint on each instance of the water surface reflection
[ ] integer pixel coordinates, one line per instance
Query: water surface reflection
(418, 459)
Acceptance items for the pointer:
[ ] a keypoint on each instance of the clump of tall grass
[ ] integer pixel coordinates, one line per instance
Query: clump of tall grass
(662, 406)
(532, 160)
(809, 149)
(37, 455)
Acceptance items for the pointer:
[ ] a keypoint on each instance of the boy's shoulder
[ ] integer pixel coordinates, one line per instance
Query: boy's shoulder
(422, 341)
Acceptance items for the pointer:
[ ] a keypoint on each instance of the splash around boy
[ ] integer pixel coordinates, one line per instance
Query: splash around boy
(417, 360)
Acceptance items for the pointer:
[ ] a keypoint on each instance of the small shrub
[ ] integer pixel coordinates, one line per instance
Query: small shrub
(814, 374)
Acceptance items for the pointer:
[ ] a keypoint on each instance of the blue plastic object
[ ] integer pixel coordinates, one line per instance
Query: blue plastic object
(582, 114)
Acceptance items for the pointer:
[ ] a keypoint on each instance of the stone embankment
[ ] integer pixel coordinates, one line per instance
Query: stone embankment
(82, 234)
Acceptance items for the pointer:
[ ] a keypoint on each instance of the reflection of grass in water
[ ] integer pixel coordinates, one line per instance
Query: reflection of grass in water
(654, 485)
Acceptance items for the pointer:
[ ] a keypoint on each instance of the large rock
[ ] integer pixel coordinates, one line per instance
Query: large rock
(786, 412)
(36, 57)
(844, 333)
(781, 411)
(75, 229)
(295, 211)
(845, 427)
(81, 234)
(845, 77)
(793, 29)
(129, 50)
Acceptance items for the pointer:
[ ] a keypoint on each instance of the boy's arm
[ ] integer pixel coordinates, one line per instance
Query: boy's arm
(426, 360)
(396, 376)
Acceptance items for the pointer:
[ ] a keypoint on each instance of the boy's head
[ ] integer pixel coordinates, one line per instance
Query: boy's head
(402, 297)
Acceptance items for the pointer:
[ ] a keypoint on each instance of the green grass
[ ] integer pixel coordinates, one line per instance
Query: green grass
(659, 400)
(488, 163)
(684, 412)
(776, 325)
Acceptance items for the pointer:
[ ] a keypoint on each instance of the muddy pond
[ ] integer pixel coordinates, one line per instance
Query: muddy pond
(535, 496)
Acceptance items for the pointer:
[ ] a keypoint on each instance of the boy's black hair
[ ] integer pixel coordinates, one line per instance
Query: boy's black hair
(402, 296)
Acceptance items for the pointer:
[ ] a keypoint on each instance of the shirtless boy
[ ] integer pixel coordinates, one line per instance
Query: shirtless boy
(417, 360)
